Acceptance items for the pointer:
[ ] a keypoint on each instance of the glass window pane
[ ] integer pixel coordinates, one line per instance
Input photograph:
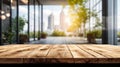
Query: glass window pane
(23, 21)
(31, 20)
(5, 22)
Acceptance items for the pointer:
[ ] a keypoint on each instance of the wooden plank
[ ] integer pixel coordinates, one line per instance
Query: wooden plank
(12, 52)
(93, 53)
(11, 47)
(79, 53)
(27, 56)
(104, 51)
(59, 54)
(40, 51)
(38, 55)
(109, 47)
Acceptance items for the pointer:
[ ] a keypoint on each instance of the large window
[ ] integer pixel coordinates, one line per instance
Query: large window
(118, 22)
(5, 21)
(36, 22)
(31, 20)
(20, 21)
(23, 20)
(14, 19)
(95, 22)
(36, 19)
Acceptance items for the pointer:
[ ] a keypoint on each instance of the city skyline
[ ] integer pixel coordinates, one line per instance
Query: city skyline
(56, 10)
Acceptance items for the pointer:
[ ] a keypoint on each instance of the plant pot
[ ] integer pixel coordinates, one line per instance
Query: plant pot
(91, 38)
(23, 38)
(43, 35)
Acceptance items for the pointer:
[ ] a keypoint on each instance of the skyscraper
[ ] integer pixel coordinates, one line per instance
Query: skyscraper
(62, 21)
(51, 22)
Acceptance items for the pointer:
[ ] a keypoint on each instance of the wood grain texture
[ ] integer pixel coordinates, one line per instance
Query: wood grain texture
(59, 54)
(79, 53)
(91, 52)
(31, 53)
(11, 52)
(106, 51)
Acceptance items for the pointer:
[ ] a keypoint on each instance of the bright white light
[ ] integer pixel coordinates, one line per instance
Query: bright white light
(8, 14)
(2, 12)
(11, 1)
(3, 17)
(13, 7)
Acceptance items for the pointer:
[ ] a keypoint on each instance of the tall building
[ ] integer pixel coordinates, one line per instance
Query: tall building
(51, 22)
(62, 21)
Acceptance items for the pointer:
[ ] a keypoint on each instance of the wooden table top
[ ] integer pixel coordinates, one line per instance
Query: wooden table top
(59, 53)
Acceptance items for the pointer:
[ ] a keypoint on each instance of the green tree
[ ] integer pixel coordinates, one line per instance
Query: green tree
(80, 14)
(21, 23)
(9, 35)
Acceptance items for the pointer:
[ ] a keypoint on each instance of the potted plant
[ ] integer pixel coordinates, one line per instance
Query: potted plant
(22, 22)
(43, 35)
(91, 37)
(7, 37)
(23, 38)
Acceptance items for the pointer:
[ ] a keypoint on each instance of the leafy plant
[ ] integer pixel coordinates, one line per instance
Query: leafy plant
(21, 23)
(91, 37)
(38, 34)
(80, 14)
(7, 36)
(58, 33)
(97, 33)
(118, 34)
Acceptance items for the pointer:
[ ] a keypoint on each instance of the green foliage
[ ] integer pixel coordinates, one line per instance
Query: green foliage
(77, 8)
(118, 34)
(21, 22)
(38, 34)
(74, 3)
(32, 34)
(7, 36)
(96, 33)
(58, 33)
(80, 14)
(98, 24)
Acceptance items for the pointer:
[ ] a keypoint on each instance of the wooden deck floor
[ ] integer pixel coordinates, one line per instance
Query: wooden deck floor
(60, 54)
